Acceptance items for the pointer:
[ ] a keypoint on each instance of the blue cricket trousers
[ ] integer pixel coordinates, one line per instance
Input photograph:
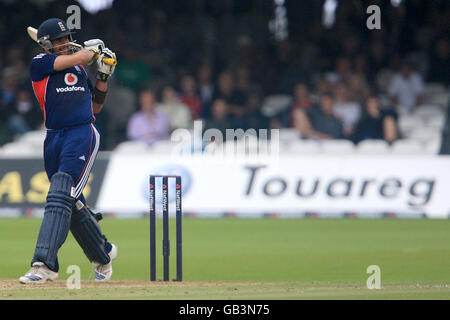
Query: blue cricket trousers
(72, 150)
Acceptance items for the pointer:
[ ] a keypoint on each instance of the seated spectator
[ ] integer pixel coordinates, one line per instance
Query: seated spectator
(226, 91)
(345, 110)
(25, 114)
(376, 123)
(244, 82)
(132, 71)
(321, 87)
(190, 97)
(302, 101)
(148, 125)
(342, 71)
(319, 122)
(406, 89)
(301, 97)
(8, 88)
(5, 133)
(252, 117)
(178, 113)
(440, 62)
(358, 88)
(220, 117)
(113, 121)
(205, 87)
(378, 59)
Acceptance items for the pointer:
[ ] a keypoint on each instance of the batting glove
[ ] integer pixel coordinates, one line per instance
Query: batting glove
(95, 45)
(105, 70)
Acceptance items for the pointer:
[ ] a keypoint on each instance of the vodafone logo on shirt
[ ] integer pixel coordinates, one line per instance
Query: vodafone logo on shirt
(70, 79)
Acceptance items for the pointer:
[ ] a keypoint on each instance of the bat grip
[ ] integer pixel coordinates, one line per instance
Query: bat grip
(110, 61)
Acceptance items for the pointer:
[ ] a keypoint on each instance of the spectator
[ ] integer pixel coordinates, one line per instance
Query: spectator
(376, 123)
(25, 116)
(226, 91)
(319, 122)
(345, 110)
(358, 88)
(5, 133)
(342, 72)
(220, 117)
(148, 125)
(119, 107)
(132, 71)
(321, 87)
(243, 81)
(302, 101)
(406, 89)
(252, 117)
(377, 59)
(8, 89)
(178, 113)
(189, 96)
(205, 87)
(440, 62)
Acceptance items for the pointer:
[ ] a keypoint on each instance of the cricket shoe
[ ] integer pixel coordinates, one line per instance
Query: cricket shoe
(39, 273)
(103, 272)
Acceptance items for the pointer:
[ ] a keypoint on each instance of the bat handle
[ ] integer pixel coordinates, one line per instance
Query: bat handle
(110, 61)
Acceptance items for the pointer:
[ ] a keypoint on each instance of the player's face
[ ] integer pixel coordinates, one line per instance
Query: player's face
(61, 46)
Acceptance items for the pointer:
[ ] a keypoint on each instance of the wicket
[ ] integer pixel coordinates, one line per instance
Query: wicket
(165, 214)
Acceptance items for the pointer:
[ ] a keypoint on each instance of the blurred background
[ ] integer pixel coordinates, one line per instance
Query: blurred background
(196, 54)
(312, 69)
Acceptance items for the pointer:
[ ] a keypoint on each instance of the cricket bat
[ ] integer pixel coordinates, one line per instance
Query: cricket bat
(32, 32)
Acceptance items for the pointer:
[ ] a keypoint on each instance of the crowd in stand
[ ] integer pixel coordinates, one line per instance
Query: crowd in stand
(218, 63)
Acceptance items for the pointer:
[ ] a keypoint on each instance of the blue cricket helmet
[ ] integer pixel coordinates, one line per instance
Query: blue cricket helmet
(52, 29)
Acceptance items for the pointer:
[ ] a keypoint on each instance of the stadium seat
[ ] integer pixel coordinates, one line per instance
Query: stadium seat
(441, 99)
(433, 146)
(21, 149)
(407, 123)
(407, 146)
(436, 122)
(33, 137)
(339, 146)
(373, 146)
(289, 134)
(165, 147)
(431, 89)
(132, 147)
(303, 147)
(425, 133)
(426, 111)
(275, 104)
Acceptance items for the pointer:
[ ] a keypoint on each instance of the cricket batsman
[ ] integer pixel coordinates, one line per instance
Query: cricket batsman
(69, 101)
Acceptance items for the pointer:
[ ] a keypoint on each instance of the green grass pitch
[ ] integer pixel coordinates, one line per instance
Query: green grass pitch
(248, 259)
